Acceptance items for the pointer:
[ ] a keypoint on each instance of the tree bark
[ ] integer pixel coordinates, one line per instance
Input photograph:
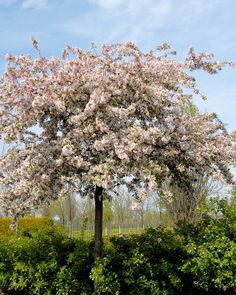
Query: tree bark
(70, 216)
(98, 222)
(15, 223)
(142, 217)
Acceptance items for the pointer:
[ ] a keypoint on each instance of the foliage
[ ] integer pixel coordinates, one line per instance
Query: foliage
(211, 248)
(45, 262)
(185, 206)
(25, 223)
(218, 218)
(5, 223)
(213, 265)
(195, 259)
(145, 264)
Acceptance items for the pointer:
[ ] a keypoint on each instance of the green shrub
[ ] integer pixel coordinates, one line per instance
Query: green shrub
(213, 266)
(34, 222)
(45, 262)
(25, 223)
(5, 223)
(211, 249)
(196, 259)
(145, 264)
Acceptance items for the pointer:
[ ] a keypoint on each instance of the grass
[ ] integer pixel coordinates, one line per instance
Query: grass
(88, 234)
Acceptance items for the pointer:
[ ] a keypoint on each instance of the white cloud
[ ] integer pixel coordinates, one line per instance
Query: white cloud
(7, 2)
(26, 4)
(150, 22)
(108, 4)
(135, 20)
(34, 4)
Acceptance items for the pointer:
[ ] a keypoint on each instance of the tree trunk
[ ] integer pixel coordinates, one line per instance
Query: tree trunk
(142, 217)
(98, 222)
(15, 223)
(70, 216)
(98, 225)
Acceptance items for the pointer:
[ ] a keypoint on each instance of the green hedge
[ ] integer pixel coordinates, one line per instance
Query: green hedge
(145, 264)
(45, 262)
(195, 259)
(163, 262)
(24, 223)
(160, 261)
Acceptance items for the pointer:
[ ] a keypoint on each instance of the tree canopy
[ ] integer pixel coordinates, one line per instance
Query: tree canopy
(97, 118)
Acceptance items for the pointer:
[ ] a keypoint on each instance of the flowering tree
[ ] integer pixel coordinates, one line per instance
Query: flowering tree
(89, 122)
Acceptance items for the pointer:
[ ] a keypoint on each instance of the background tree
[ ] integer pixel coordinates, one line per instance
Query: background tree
(185, 206)
(121, 205)
(101, 118)
(107, 216)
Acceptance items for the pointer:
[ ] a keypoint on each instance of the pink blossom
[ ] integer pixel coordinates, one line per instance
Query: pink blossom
(103, 117)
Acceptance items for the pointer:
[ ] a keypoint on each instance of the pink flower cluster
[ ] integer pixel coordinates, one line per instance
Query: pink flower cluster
(90, 119)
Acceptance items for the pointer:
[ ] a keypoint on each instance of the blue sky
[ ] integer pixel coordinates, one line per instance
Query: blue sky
(206, 25)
